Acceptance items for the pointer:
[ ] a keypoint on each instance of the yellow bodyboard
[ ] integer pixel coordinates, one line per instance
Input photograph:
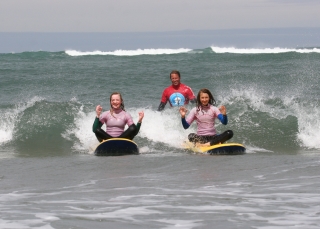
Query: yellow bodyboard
(224, 148)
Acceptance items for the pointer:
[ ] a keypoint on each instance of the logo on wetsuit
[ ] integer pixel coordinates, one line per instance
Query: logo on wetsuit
(177, 99)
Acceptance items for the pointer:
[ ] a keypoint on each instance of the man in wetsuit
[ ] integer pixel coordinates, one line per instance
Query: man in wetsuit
(177, 94)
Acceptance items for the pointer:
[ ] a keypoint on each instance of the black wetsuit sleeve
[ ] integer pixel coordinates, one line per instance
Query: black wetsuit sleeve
(138, 126)
(161, 106)
(184, 123)
(96, 125)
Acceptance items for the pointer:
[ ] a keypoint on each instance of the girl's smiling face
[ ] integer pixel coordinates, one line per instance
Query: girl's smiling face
(204, 99)
(115, 101)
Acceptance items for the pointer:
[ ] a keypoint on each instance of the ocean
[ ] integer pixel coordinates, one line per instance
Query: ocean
(50, 178)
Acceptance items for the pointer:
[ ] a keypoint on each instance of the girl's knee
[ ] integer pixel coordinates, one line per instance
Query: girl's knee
(132, 128)
(192, 137)
(230, 133)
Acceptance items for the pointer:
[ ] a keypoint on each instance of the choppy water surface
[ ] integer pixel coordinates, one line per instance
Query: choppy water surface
(50, 179)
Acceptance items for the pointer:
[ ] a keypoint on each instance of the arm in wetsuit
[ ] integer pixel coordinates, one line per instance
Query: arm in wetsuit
(138, 127)
(184, 123)
(223, 119)
(96, 125)
(161, 106)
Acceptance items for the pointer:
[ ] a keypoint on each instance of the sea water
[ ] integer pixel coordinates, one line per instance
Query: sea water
(50, 178)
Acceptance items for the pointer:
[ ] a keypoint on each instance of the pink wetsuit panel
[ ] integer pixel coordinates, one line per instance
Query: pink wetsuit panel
(205, 119)
(116, 122)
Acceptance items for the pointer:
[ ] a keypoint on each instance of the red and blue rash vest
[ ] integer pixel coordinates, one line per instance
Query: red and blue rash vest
(177, 95)
(116, 122)
(205, 119)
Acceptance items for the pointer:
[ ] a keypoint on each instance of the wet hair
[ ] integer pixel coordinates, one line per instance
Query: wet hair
(122, 104)
(212, 101)
(175, 72)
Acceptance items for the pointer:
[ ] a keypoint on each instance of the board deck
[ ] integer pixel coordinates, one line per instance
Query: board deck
(219, 149)
(116, 147)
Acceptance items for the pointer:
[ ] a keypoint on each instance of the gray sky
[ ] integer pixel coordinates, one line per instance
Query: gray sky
(154, 15)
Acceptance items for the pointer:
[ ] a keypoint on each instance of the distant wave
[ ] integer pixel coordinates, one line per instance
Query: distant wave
(262, 50)
(129, 52)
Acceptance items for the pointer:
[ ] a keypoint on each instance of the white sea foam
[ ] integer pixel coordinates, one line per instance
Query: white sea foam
(261, 50)
(10, 117)
(128, 214)
(6, 133)
(86, 141)
(309, 126)
(308, 115)
(158, 127)
(144, 149)
(7, 125)
(162, 127)
(35, 223)
(255, 149)
(129, 52)
(180, 223)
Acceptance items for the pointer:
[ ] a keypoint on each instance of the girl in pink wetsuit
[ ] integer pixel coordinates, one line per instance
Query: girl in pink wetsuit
(115, 119)
(205, 114)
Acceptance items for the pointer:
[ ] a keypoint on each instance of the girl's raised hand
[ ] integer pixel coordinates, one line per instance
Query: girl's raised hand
(98, 110)
(183, 111)
(223, 110)
(141, 115)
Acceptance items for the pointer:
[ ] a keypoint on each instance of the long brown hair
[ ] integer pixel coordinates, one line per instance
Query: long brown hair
(122, 103)
(212, 101)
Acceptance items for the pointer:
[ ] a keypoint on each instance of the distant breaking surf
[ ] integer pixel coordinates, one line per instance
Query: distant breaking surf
(215, 49)
(129, 52)
(262, 50)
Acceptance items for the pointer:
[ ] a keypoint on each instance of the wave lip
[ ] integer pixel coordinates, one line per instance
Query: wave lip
(262, 50)
(10, 117)
(121, 52)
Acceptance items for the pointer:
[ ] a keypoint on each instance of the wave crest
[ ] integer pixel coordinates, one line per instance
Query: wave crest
(129, 52)
(262, 50)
